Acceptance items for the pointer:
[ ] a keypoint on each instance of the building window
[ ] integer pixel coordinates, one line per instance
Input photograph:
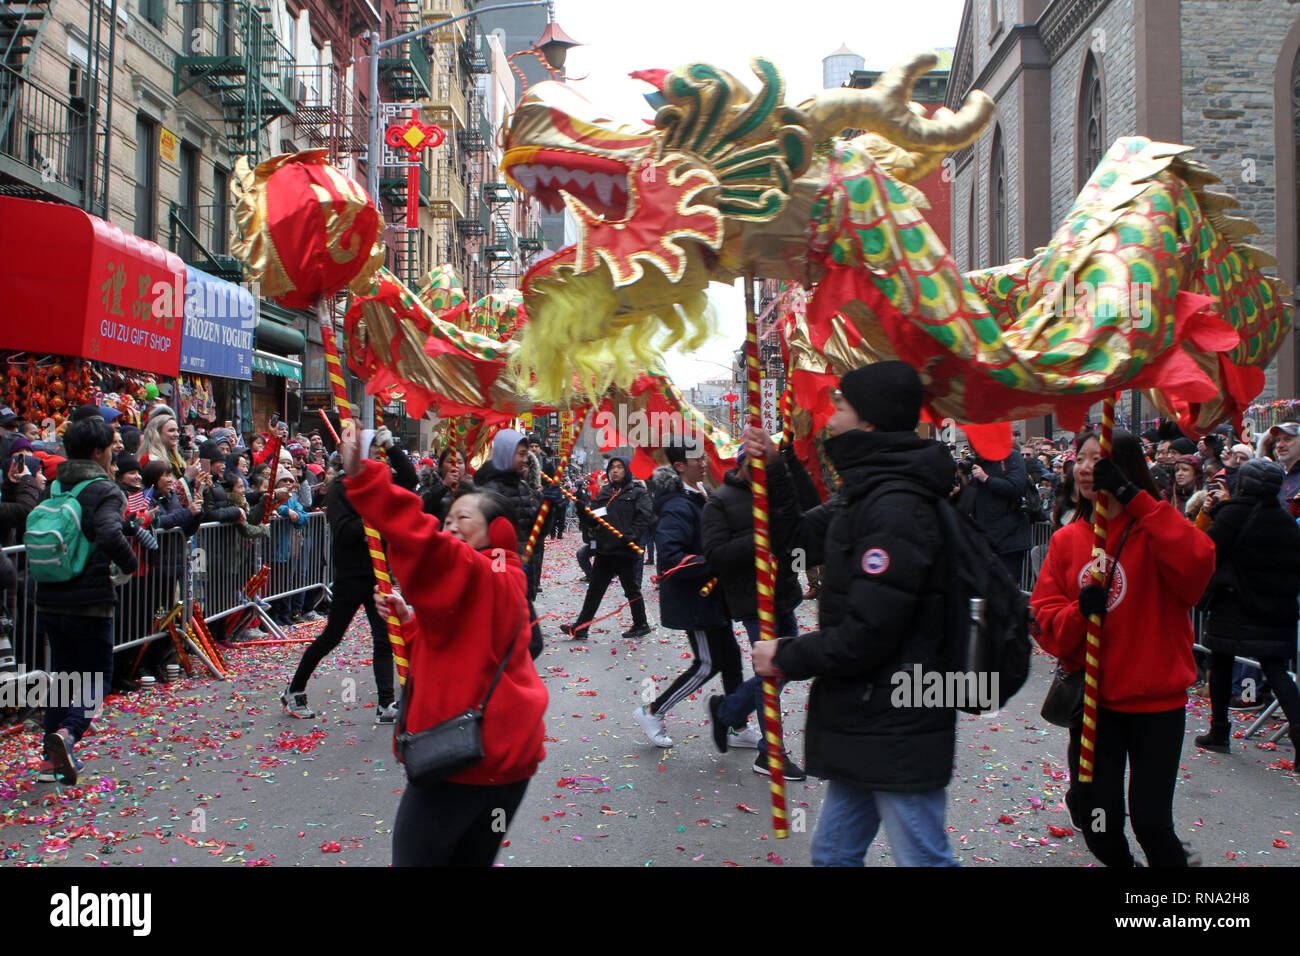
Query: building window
(1091, 135)
(155, 11)
(146, 177)
(997, 203)
(189, 201)
(972, 238)
(220, 210)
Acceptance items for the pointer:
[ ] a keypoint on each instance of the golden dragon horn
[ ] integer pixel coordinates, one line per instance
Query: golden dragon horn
(885, 109)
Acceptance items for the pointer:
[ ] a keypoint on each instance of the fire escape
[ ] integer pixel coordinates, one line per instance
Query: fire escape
(46, 151)
(233, 56)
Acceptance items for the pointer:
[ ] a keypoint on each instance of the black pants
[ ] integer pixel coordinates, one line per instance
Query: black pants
(585, 554)
(83, 646)
(604, 569)
(1275, 673)
(560, 513)
(1014, 562)
(1151, 744)
(453, 824)
(348, 597)
(716, 652)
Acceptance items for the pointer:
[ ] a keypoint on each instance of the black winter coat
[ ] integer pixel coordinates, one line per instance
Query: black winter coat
(103, 507)
(348, 538)
(521, 497)
(881, 613)
(1251, 599)
(217, 505)
(680, 555)
(728, 531)
(629, 510)
(172, 548)
(997, 504)
(13, 512)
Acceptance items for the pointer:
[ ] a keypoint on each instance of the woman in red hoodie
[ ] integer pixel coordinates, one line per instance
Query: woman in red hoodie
(468, 610)
(1163, 566)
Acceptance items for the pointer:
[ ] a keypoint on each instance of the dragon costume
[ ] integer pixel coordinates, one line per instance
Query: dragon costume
(1145, 285)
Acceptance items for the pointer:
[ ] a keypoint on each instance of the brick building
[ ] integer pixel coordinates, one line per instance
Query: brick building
(1071, 76)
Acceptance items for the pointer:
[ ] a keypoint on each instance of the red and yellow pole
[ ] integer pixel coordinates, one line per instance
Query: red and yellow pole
(373, 541)
(566, 449)
(766, 576)
(1092, 656)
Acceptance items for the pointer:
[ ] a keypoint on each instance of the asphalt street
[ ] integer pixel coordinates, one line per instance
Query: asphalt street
(211, 773)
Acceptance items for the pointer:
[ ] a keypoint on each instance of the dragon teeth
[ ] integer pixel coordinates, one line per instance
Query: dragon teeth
(604, 184)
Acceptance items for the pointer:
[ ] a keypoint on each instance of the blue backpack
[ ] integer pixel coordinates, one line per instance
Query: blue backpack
(57, 548)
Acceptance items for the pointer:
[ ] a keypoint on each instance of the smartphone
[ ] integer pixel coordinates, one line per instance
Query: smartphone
(205, 466)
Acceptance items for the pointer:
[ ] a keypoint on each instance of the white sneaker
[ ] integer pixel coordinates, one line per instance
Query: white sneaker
(314, 616)
(388, 715)
(653, 725)
(295, 705)
(749, 737)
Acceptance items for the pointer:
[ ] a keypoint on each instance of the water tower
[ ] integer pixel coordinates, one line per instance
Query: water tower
(839, 66)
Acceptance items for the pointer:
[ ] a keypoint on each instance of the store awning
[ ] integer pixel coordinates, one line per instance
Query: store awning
(77, 285)
(281, 339)
(270, 364)
(220, 318)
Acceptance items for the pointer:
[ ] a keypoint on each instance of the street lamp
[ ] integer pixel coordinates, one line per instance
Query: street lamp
(375, 147)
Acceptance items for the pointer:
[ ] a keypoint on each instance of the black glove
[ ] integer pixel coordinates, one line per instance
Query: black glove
(1106, 476)
(1092, 600)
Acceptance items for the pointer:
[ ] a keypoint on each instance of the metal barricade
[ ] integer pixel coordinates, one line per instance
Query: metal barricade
(209, 569)
(1040, 534)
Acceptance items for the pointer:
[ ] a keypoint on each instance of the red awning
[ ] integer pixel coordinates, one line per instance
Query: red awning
(73, 284)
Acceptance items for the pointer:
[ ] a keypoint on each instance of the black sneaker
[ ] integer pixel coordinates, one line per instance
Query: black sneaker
(719, 728)
(792, 770)
(1220, 745)
(635, 631)
(58, 751)
(1259, 703)
(572, 632)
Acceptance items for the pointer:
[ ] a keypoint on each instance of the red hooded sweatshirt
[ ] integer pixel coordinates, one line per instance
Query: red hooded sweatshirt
(1146, 637)
(467, 606)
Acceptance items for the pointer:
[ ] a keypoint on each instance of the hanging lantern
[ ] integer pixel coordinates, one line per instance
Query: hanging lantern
(305, 229)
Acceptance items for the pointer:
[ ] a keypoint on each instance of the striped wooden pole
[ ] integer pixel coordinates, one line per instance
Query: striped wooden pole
(595, 517)
(766, 578)
(566, 449)
(373, 541)
(1092, 657)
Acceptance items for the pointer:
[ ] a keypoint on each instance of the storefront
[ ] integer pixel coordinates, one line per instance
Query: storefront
(277, 364)
(93, 313)
(216, 351)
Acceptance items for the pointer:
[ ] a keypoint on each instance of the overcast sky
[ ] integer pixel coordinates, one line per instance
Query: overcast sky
(619, 35)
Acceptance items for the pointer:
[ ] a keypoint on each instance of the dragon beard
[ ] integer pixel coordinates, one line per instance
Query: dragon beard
(585, 335)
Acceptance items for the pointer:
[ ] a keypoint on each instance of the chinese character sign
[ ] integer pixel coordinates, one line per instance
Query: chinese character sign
(770, 421)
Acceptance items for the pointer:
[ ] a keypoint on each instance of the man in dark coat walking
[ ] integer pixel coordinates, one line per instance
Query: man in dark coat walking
(625, 505)
(999, 493)
(881, 615)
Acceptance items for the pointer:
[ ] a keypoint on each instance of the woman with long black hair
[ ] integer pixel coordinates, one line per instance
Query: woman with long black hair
(1157, 566)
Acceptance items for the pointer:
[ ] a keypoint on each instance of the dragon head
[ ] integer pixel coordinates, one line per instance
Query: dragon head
(662, 211)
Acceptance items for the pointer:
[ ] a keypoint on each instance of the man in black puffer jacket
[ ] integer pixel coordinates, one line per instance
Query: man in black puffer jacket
(1251, 600)
(881, 614)
(77, 615)
(625, 505)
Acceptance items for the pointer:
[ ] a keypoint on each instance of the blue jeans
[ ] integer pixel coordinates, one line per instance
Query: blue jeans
(748, 698)
(851, 816)
(584, 558)
(78, 645)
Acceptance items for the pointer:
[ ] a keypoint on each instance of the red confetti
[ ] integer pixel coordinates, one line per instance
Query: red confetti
(746, 808)
(1004, 819)
(1281, 844)
(331, 847)
(1059, 831)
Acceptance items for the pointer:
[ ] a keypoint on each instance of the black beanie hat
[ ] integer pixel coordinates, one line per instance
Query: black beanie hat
(127, 463)
(886, 394)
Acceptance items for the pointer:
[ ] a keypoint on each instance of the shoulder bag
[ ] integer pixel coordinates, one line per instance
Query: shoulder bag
(452, 746)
